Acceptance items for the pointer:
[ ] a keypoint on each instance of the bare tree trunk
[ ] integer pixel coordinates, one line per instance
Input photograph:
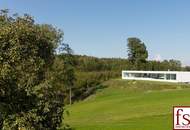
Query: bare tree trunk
(70, 96)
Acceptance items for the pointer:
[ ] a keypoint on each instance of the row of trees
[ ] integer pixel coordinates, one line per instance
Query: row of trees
(92, 71)
(93, 64)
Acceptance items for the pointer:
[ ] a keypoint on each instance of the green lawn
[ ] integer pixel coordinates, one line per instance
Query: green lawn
(129, 105)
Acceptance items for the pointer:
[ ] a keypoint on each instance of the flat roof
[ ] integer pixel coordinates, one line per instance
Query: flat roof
(166, 72)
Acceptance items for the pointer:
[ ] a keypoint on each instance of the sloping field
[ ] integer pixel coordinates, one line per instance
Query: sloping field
(129, 105)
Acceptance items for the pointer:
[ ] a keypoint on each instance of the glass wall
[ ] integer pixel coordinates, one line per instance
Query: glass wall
(171, 76)
(151, 75)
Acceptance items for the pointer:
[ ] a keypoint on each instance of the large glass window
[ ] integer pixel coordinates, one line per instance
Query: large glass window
(151, 75)
(168, 76)
(171, 76)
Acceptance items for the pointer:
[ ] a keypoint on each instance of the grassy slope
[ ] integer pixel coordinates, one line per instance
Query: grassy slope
(129, 105)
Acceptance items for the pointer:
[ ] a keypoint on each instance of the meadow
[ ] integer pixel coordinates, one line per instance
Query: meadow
(129, 105)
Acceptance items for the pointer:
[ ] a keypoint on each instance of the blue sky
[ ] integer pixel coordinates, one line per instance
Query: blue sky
(100, 27)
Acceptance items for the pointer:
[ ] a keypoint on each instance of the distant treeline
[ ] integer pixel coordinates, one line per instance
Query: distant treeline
(89, 63)
(90, 72)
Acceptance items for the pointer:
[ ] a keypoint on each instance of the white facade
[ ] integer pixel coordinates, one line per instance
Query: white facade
(169, 76)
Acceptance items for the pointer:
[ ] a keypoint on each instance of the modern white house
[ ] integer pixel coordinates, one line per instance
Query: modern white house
(169, 76)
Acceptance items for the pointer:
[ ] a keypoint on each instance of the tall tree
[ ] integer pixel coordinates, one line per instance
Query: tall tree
(62, 72)
(137, 53)
(28, 101)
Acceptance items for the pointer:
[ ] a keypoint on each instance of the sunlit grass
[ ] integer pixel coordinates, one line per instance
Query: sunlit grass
(129, 105)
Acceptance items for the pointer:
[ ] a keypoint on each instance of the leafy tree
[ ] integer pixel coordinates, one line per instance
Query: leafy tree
(62, 72)
(28, 100)
(175, 65)
(137, 53)
(186, 68)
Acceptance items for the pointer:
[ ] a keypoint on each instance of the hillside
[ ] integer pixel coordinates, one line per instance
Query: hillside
(129, 105)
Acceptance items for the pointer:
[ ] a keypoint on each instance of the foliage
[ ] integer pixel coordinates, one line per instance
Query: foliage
(90, 72)
(62, 73)
(28, 99)
(186, 68)
(91, 64)
(137, 53)
(172, 65)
